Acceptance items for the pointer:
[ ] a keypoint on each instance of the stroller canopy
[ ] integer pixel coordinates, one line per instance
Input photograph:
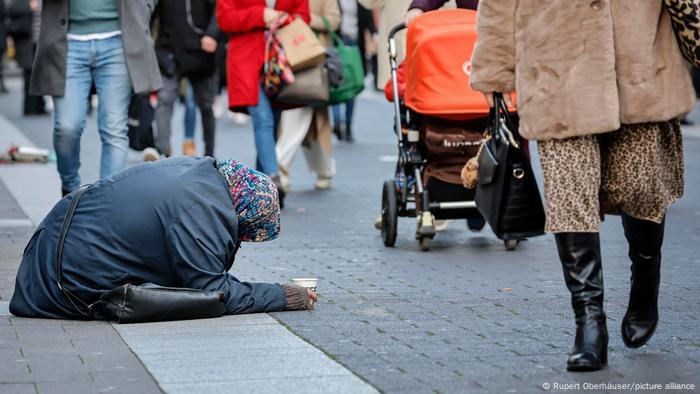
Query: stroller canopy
(438, 64)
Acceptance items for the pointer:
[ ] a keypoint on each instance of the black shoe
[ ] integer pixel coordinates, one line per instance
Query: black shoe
(338, 133)
(645, 239)
(583, 274)
(685, 121)
(348, 134)
(476, 224)
(64, 192)
(280, 190)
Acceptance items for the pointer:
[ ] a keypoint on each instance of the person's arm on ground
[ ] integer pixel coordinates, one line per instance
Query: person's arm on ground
(331, 11)
(199, 248)
(493, 61)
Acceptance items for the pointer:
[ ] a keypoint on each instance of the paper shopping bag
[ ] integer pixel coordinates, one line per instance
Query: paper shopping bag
(301, 46)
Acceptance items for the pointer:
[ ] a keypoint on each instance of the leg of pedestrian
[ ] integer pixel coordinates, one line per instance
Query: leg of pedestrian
(263, 117)
(114, 92)
(164, 114)
(294, 126)
(70, 111)
(204, 95)
(188, 146)
(349, 110)
(321, 162)
(643, 173)
(572, 173)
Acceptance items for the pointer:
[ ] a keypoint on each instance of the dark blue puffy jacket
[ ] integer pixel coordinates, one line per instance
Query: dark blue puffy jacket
(171, 223)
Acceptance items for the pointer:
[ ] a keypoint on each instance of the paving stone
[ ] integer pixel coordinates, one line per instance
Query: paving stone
(17, 388)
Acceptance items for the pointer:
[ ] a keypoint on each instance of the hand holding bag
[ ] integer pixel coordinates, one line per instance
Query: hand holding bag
(685, 18)
(506, 193)
(139, 304)
(276, 69)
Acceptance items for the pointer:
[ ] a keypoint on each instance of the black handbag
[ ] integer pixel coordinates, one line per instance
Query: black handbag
(140, 122)
(506, 193)
(139, 304)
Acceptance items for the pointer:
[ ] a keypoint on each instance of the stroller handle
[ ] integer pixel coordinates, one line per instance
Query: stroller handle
(396, 29)
(392, 41)
(394, 80)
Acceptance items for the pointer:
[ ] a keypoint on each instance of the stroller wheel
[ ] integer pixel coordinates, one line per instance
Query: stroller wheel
(390, 213)
(425, 243)
(511, 244)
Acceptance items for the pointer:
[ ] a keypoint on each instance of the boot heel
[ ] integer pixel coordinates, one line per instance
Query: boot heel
(604, 357)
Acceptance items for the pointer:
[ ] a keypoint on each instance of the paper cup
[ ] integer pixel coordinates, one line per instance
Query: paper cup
(309, 283)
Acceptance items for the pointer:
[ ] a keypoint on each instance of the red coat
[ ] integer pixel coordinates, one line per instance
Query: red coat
(243, 20)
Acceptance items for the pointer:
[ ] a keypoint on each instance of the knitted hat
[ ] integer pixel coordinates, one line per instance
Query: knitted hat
(255, 200)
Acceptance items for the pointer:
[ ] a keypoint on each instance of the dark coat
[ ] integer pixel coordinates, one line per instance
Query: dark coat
(20, 28)
(429, 5)
(3, 29)
(180, 33)
(171, 223)
(243, 20)
(49, 77)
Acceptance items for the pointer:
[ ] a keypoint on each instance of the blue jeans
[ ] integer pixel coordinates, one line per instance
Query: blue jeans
(101, 62)
(265, 120)
(190, 111)
(349, 110)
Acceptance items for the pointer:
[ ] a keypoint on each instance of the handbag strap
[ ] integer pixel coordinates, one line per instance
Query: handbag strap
(499, 114)
(337, 41)
(59, 253)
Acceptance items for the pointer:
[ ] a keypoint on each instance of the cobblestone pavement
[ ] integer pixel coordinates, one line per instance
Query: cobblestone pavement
(467, 316)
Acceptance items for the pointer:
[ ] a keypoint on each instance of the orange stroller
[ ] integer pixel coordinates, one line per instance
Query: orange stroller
(439, 123)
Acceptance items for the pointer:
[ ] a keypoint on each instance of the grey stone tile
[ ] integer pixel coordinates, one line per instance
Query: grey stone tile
(340, 385)
(17, 388)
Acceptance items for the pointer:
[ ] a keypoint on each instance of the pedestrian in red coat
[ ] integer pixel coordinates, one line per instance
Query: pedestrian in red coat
(246, 22)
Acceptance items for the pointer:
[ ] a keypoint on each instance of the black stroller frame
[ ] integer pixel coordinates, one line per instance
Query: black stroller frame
(406, 195)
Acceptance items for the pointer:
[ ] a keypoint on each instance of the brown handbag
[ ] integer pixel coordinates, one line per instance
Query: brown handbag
(310, 87)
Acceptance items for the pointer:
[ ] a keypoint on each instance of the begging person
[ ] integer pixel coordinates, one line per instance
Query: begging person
(176, 222)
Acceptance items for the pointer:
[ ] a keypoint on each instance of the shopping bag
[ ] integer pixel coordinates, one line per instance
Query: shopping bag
(310, 87)
(301, 46)
(506, 193)
(353, 71)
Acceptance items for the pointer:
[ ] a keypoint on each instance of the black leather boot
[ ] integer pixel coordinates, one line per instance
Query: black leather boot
(583, 274)
(645, 239)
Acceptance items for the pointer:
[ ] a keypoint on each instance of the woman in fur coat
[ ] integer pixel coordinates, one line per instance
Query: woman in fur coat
(600, 85)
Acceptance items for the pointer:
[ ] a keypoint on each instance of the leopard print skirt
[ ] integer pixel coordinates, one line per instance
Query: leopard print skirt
(637, 169)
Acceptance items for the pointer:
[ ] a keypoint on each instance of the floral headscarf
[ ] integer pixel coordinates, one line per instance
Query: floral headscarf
(255, 200)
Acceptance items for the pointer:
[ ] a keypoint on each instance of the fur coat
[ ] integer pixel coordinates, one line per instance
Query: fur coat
(581, 67)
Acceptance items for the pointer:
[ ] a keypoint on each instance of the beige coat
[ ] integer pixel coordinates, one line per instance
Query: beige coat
(321, 125)
(393, 13)
(581, 66)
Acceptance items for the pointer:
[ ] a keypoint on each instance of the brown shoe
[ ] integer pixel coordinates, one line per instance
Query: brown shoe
(188, 148)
